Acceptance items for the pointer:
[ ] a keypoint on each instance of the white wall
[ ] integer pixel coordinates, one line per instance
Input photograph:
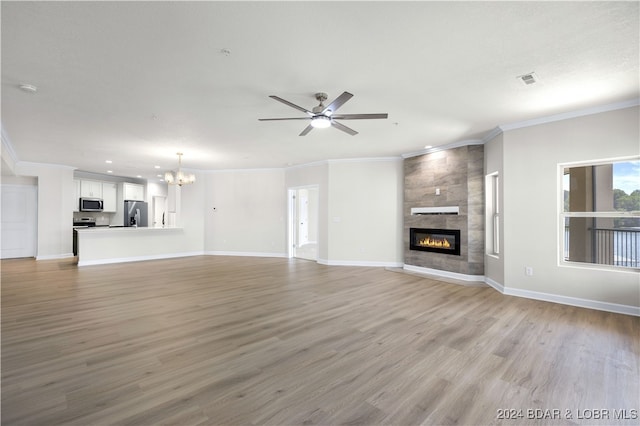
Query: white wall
(55, 197)
(365, 212)
(191, 214)
(531, 205)
(245, 212)
(360, 209)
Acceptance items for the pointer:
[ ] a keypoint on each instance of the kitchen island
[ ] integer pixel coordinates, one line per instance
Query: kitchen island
(101, 245)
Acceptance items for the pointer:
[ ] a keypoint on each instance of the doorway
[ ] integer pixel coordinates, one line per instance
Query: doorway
(160, 219)
(303, 222)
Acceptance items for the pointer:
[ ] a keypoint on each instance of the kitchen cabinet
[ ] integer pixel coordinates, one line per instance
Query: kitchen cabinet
(109, 197)
(132, 191)
(76, 195)
(90, 189)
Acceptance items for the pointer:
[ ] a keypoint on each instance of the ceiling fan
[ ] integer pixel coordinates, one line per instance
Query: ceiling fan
(324, 116)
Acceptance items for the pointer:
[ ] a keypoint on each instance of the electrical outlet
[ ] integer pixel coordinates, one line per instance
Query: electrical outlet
(528, 271)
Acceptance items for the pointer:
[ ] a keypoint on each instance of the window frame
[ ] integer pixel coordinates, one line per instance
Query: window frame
(493, 214)
(563, 215)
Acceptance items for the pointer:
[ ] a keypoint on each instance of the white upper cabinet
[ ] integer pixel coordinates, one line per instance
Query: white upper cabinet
(90, 189)
(133, 191)
(109, 196)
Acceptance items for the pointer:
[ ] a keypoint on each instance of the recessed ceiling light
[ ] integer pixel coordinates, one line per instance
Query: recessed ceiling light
(428, 146)
(159, 176)
(108, 161)
(29, 88)
(138, 176)
(109, 171)
(156, 167)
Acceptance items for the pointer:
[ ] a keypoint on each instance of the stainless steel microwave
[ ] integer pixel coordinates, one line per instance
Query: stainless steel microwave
(91, 204)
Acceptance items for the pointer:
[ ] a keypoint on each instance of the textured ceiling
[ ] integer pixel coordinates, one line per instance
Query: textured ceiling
(135, 82)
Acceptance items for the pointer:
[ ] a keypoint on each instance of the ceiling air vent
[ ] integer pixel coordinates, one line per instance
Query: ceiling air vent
(528, 79)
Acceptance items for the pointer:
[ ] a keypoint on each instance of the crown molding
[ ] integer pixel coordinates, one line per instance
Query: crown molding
(452, 145)
(498, 130)
(254, 170)
(364, 160)
(492, 134)
(50, 165)
(8, 147)
(344, 160)
(571, 114)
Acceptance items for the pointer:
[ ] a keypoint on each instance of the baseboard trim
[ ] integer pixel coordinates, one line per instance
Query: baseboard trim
(565, 300)
(55, 256)
(244, 254)
(137, 258)
(445, 274)
(365, 263)
(496, 285)
(574, 301)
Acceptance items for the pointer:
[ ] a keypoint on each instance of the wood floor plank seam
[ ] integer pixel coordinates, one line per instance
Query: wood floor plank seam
(220, 340)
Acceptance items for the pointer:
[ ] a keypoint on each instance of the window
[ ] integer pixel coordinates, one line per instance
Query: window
(492, 236)
(601, 213)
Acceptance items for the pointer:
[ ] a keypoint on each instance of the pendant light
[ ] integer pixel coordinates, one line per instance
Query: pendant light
(179, 177)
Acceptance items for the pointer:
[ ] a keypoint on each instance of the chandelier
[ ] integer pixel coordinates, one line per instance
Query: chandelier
(179, 177)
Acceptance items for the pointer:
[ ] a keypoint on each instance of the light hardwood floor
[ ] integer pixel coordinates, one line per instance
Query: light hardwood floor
(228, 340)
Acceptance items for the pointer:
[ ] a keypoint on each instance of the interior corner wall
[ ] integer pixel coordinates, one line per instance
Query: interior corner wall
(531, 205)
(493, 163)
(55, 208)
(365, 212)
(7, 162)
(245, 212)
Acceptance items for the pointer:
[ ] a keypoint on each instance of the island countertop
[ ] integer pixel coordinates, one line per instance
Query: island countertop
(105, 228)
(101, 245)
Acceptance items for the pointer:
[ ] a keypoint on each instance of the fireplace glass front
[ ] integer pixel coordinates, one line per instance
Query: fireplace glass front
(445, 241)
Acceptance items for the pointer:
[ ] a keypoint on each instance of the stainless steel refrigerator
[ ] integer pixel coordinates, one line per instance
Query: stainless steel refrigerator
(135, 213)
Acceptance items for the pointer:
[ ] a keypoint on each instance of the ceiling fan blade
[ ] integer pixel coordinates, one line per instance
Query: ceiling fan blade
(280, 119)
(358, 116)
(306, 130)
(299, 108)
(343, 128)
(337, 102)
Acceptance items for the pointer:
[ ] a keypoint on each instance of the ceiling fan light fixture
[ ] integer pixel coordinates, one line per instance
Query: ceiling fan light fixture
(321, 122)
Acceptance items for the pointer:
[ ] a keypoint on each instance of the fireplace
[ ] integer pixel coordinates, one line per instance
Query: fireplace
(445, 241)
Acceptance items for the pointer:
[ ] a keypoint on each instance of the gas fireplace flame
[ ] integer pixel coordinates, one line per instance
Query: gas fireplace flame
(434, 242)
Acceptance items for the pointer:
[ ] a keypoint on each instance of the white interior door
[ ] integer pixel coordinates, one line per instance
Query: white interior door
(303, 222)
(19, 221)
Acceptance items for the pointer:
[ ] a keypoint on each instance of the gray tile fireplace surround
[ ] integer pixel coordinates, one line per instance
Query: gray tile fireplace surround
(458, 173)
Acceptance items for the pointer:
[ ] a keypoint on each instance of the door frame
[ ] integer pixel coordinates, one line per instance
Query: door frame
(158, 201)
(292, 226)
